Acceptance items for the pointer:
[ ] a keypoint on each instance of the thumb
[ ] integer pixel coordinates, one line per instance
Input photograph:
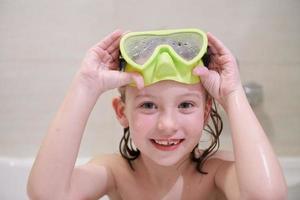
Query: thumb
(137, 78)
(201, 71)
(125, 78)
(210, 79)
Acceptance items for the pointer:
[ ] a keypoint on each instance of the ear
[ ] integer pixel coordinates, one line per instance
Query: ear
(207, 110)
(119, 108)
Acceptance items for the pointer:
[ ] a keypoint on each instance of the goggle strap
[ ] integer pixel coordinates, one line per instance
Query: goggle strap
(207, 57)
(122, 63)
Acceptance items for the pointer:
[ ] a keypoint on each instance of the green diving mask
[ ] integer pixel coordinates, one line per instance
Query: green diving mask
(164, 55)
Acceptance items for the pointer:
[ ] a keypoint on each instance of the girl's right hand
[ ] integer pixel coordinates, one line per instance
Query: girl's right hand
(99, 71)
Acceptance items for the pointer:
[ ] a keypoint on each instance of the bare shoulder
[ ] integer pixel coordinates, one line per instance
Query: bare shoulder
(107, 159)
(118, 170)
(220, 163)
(95, 178)
(218, 159)
(224, 156)
(225, 174)
(113, 162)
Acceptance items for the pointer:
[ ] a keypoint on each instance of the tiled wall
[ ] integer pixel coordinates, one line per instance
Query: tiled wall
(42, 44)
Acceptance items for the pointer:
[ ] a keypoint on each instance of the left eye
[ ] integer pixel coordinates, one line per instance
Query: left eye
(186, 105)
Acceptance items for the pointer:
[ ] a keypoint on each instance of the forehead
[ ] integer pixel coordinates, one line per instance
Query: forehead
(167, 89)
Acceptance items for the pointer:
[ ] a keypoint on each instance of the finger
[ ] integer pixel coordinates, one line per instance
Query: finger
(201, 71)
(215, 67)
(115, 45)
(115, 54)
(114, 64)
(138, 79)
(210, 80)
(109, 39)
(212, 49)
(125, 32)
(102, 54)
(125, 78)
(221, 60)
(217, 46)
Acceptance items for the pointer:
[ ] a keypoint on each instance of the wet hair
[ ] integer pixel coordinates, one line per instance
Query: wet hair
(213, 128)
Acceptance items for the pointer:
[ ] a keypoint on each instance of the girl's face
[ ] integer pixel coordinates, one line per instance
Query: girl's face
(165, 119)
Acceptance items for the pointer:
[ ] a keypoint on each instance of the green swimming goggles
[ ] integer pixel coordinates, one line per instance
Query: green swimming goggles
(164, 55)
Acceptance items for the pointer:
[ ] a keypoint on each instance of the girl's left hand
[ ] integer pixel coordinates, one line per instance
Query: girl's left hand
(221, 78)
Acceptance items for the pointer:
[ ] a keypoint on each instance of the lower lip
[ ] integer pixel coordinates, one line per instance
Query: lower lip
(166, 148)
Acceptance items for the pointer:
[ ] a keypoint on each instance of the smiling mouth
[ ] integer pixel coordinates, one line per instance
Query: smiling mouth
(167, 145)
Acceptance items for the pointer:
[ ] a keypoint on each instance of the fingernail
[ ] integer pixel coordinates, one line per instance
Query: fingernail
(138, 79)
(196, 70)
(200, 70)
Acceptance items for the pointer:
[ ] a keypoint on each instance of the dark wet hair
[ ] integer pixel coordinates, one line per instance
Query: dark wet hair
(214, 128)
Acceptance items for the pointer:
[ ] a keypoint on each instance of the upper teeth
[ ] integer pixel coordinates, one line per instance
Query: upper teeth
(167, 142)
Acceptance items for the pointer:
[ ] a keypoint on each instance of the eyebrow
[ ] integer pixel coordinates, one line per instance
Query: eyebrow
(144, 95)
(191, 94)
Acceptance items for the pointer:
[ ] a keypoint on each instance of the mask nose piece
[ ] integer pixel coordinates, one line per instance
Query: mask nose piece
(165, 67)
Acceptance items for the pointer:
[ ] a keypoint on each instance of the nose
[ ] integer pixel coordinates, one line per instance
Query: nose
(167, 123)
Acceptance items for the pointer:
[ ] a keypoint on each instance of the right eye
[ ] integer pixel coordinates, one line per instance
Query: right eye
(148, 105)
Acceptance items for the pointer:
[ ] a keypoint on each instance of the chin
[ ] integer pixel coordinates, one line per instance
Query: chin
(168, 160)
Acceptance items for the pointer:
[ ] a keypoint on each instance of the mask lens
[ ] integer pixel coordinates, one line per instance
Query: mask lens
(140, 48)
(187, 45)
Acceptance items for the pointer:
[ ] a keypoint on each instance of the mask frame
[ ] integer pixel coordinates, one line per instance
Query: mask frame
(164, 63)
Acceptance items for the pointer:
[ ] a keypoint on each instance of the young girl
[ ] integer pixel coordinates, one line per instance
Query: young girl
(165, 121)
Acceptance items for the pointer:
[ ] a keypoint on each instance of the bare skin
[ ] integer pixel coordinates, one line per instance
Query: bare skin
(182, 184)
(254, 174)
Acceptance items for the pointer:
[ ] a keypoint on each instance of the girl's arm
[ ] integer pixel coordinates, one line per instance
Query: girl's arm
(256, 172)
(53, 175)
(53, 169)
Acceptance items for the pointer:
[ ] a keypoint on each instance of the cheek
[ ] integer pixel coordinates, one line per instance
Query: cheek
(194, 124)
(141, 128)
(141, 125)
